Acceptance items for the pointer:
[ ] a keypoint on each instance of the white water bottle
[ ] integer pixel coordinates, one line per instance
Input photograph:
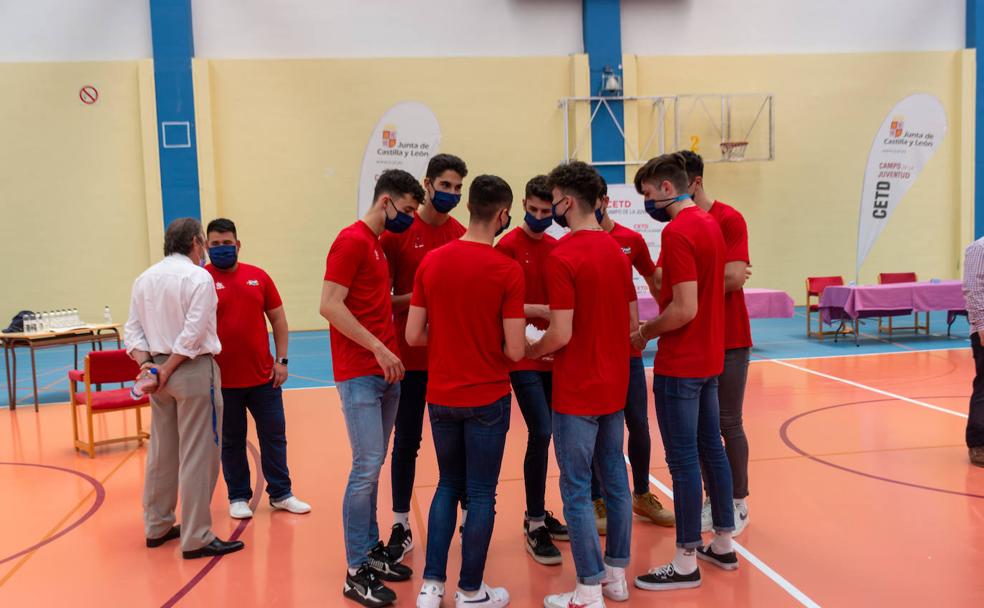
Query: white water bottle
(108, 318)
(147, 380)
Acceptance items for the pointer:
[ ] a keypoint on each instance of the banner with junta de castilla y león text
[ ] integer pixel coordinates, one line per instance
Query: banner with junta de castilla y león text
(906, 140)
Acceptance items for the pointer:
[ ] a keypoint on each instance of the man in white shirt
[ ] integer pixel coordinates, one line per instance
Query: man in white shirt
(172, 328)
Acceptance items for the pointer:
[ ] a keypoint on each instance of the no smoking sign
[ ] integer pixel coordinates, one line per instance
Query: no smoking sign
(88, 94)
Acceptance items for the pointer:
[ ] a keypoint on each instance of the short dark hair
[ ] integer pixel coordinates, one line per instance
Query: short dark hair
(667, 167)
(604, 187)
(487, 195)
(398, 183)
(577, 179)
(181, 235)
(444, 162)
(221, 224)
(539, 187)
(694, 164)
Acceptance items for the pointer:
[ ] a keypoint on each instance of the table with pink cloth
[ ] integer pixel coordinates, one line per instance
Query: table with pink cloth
(858, 301)
(761, 304)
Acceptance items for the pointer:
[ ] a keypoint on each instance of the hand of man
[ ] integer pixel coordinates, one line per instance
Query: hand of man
(638, 340)
(748, 272)
(163, 375)
(393, 370)
(278, 374)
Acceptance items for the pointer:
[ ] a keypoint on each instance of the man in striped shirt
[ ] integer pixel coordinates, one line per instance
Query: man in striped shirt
(973, 289)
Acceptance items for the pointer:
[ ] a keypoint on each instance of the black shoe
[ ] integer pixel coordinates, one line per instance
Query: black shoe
(666, 577)
(364, 587)
(541, 548)
(386, 567)
(174, 532)
(400, 542)
(558, 531)
(216, 547)
(725, 561)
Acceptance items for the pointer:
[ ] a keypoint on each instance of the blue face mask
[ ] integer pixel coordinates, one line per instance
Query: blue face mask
(538, 225)
(599, 215)
(400, 223)
(444, 202)
(560, 219)
(223, 256)
(505, 226)
(660, 214)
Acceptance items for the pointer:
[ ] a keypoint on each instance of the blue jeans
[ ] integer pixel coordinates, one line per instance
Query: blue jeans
(469, 442)
(689, 423)
(533, 391)
(369, 405)
(637, 422)
(578, 440)
(266, 404)
(406, 438)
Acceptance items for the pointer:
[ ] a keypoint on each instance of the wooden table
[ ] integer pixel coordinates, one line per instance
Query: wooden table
(93, 334)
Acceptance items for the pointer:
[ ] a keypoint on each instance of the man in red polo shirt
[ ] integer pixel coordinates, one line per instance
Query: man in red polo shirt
(251, 378)
(355, 299)
(592, 306)
(467, 307)
(530, 245)
(689, 359)
(737, 339)
(432, 227)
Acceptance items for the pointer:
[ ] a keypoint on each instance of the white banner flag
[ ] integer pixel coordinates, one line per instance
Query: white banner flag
(404, 138)
(626, 207)
(907, 139)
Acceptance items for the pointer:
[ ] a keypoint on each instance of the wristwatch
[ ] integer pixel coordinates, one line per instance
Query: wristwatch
(281, 361)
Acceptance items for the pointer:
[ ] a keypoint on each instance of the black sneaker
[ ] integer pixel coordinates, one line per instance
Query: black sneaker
(386, 567)
(365, 587)
(541, 548)
(558, 531)
(666, 577)
(725, 561)
(400, 542)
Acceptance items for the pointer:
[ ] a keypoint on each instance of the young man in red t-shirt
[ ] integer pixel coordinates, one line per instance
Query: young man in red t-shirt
(251, 377)
(592, 307)
(531, 380)
(689, 358)
(355, 299)
(644, 502)
(737, 339)
(467, 307)
(432, 227)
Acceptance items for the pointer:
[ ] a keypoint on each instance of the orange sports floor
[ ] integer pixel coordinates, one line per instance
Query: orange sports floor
(861, 496)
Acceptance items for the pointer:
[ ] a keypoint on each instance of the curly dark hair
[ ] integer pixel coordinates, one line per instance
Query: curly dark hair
(539, 187)
(487, 195)
(398, 183)
(579, 180)
(443, 162)
(694, 163)
(667, 167)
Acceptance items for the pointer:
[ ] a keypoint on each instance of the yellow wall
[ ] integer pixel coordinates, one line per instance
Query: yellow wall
(802, 209)
(72, 189)
(287, 140)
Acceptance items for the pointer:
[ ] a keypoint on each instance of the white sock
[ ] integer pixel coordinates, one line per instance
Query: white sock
(740, 503)
(685, 560)
(722, 543)
(401, 518)
(586, 594)
(536, 525)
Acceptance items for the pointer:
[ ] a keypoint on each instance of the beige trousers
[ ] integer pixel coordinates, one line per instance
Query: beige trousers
(183, 455)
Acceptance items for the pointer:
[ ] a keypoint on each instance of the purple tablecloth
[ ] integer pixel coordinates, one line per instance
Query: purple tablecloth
(856, 300)
(761, 303)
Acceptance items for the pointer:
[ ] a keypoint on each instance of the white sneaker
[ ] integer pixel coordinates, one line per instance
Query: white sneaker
(583, 596)
(240, 510)
(741, 519)
(431, 594)
(706, 520)
(487, 597)
(292, 504)
(615, 587)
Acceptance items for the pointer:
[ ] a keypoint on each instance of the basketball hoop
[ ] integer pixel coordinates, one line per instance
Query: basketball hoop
(733, 150)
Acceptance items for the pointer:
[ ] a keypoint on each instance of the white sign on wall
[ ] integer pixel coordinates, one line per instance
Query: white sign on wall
(404, 138)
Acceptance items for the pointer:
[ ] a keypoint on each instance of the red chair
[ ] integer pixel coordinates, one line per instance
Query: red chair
(104, 367)
(887, 278)
(814, 289)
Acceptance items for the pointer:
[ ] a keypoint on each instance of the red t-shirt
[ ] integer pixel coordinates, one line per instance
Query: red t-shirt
(693, 250)
(245, 295)
(636, 249)
(737, 330)
(405, 251)
(588, 272)
(357, 261)
(532, 256)
(467, 288)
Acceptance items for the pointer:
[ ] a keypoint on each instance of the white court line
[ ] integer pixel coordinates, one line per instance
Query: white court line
(777, 578)
(892, 352)
(871, 389)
